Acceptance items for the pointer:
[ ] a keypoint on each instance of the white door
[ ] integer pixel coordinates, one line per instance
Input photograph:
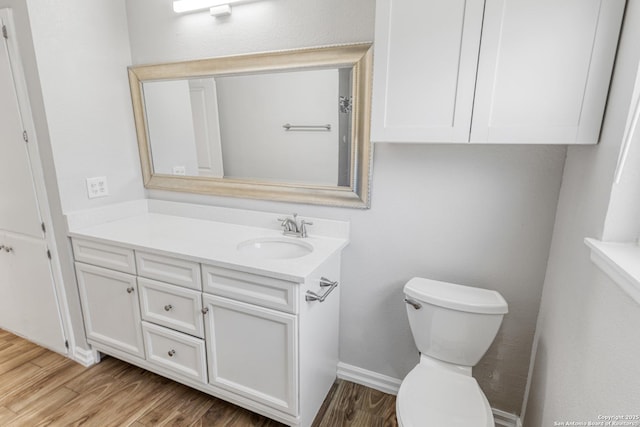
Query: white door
(110, 308)
(29, 301)
(206, 127)
(544, 70)
(425, 63)
(252, 351)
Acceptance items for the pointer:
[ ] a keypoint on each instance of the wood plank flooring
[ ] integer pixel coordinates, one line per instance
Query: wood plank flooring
(42, 388)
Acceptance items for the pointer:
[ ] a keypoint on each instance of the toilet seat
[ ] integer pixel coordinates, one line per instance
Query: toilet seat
(434, 397)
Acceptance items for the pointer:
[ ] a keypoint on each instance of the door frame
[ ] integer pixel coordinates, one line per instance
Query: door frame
(37, 172)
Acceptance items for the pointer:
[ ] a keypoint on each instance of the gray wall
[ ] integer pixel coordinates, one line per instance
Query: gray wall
(587, 346)
(475, 215)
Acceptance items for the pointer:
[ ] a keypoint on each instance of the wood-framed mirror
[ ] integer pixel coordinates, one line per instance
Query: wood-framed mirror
(287, 126)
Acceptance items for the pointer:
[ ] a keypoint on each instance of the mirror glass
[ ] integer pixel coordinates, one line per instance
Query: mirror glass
(280, 126)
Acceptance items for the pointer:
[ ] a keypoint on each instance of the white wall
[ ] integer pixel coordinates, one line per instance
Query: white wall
(587, 346)
(253, 109)
(82, 51)
(476, 215)
(258, 27)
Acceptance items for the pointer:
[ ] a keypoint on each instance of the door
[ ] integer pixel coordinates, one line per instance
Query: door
(206, 127)
(544, 70)
(29, 304)
(110, 308)
(425, 65)
(252, 351)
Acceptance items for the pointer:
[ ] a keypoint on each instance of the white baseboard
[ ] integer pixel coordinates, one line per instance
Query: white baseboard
(502, 418)
(391, 385)
(369, 379)
(85, 357)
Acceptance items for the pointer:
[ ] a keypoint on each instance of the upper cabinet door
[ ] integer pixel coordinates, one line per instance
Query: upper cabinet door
(425, 62)
(544, 70)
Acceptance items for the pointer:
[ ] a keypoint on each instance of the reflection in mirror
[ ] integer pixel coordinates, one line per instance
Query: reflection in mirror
(299, 132)
(290, 126)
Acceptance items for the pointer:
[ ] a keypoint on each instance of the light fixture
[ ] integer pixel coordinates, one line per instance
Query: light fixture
(216, 7)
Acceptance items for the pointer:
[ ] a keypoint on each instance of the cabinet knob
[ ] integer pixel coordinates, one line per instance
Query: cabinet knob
(168, 307)
(171, 352)
(205, 310)
(8, 249)
(130, 290)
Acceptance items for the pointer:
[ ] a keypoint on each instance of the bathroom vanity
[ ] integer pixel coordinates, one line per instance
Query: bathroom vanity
(217, 299)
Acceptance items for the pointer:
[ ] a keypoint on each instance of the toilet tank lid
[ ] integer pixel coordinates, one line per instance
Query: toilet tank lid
(456, 297)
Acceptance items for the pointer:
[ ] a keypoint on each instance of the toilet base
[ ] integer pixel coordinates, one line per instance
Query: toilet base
(436, 395)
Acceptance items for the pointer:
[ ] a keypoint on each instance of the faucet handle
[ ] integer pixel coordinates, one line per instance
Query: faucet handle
(303, 227)
(295, 215)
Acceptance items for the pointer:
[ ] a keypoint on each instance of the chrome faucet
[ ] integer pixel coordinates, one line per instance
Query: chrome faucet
(291, 227)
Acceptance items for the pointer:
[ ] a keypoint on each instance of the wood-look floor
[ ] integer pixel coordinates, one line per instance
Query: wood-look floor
(42, 388)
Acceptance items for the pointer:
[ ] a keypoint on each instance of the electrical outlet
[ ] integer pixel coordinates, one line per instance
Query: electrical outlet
(97, 187)
(179, 170)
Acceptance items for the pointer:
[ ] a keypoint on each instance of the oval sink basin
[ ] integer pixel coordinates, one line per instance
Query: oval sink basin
(274, 248)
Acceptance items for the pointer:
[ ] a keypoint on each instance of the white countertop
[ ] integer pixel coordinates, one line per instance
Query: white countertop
(208, 241)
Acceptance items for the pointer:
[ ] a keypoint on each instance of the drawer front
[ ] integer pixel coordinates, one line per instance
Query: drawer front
(171, 306)
(252, 288)
(104, 255)
(175, 352)
(167, 269)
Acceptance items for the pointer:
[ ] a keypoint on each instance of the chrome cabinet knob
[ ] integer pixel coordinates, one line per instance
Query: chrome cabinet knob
(130, 290)
(168, 307)
(171, 352)
(8, 249)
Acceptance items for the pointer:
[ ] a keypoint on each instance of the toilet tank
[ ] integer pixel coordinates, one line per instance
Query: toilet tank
(453, 323)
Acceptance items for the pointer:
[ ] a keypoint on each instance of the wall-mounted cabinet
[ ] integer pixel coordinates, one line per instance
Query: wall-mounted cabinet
(493, 71)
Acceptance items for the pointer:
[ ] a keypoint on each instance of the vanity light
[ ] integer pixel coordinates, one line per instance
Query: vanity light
(216, 7)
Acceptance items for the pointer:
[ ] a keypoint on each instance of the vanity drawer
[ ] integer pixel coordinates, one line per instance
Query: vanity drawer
(252, 288)
(171, 306)
(171, 270)
(104, 255)
(175, 352)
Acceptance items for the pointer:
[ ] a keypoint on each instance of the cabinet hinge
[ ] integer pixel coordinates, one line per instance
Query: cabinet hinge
(4, 32)
(44, 228)
(25, 136)
(66, 344)
(48, 254)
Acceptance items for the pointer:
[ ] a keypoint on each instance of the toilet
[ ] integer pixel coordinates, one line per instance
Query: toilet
(453, 326)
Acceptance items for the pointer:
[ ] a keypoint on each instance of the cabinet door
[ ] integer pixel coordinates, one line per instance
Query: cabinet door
(110, 307)
(252, 351)
(425, 62)
(544, 70)
(28, 299)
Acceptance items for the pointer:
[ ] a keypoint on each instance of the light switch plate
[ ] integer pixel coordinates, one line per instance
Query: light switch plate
(97, 187)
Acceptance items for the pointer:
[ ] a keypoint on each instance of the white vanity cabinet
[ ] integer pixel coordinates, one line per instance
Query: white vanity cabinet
(252, 333)
(493, 71)
(249, 337)
(110, 308)
(252, 351)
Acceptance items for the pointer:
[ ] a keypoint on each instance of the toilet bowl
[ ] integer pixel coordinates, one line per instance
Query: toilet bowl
(453, 326)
